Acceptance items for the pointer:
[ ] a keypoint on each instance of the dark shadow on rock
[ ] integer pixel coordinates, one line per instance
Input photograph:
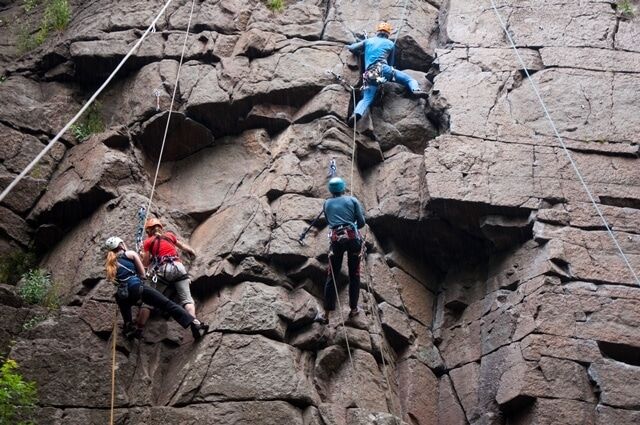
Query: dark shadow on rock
(185, 137)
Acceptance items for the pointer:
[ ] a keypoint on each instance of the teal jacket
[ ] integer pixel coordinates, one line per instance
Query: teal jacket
(343, 210)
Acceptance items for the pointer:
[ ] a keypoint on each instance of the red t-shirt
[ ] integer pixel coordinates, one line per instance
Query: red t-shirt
(162, 248)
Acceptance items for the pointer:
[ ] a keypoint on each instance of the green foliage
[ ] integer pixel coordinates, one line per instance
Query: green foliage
(14, 264)
(29, 5)
(26, 40)
(275, 5)
(17, 397)
(91, 123)
(33, 322)
(56, 17)
(37, 288)
(625, 8)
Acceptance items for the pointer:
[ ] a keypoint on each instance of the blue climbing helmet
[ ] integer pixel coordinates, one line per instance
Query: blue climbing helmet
(337, 185)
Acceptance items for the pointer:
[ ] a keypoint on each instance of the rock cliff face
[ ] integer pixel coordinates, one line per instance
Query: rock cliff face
(493, 293)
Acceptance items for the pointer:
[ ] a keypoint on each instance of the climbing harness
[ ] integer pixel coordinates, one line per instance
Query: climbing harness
(375, 75)
(160, 263)
(344, 233)
(562, 144)
(50, 145)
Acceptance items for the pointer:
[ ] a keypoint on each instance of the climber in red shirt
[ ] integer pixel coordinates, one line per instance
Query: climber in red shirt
(160, 253)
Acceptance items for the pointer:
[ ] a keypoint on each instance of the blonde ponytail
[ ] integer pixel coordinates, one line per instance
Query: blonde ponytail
(110, 265)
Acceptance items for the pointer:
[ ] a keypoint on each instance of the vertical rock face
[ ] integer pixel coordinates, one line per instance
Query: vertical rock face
(492, 292)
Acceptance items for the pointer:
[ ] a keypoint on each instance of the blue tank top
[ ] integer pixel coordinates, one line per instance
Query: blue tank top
(126, 272)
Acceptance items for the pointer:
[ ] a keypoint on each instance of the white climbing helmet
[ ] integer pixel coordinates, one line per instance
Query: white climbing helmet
(113, 242)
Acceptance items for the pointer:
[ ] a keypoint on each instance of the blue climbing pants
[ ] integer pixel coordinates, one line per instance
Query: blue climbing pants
(391, 75)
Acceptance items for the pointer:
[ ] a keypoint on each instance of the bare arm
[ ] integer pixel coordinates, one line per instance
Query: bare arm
(186, 248)
(145, 258)
(132, 255)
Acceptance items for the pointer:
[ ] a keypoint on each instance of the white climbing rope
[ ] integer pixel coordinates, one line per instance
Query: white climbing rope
(335, 287)
(562, 144)
(344, 327)
(373, 307)
(173, 97)
(402, 20)
(47, 148)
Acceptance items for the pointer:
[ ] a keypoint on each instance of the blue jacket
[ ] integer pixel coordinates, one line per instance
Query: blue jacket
(343, 210)
(376, 49)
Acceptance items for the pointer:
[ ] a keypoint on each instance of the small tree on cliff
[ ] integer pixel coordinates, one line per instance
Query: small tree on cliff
(17, 397)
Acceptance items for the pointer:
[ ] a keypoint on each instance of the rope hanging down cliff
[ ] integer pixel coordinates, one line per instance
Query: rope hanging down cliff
(146, 212)
(104, 85)
(562, 144)
(173, 97)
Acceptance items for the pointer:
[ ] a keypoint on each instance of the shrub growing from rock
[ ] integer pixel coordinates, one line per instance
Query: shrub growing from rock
(17, 397)
(37, 288)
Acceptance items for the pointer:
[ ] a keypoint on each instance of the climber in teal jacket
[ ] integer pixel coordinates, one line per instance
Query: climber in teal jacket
(344, 215)
(377, 71)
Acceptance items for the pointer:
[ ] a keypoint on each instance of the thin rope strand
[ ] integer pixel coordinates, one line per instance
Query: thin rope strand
(402, 20)
(114, 336)
(47, 148)
(353, 151)
(173, 97)
(373, 307)
(344, 329)
(564, 147)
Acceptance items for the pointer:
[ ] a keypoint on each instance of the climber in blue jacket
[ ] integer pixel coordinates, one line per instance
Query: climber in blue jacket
(377, 71)
(344, 215)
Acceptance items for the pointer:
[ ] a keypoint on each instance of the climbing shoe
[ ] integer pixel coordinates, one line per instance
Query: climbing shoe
(352, 118)
(199, 330)
(130, 331)
(419, 93)
(354, 312)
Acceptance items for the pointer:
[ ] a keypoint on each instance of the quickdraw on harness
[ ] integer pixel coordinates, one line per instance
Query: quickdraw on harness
(374, 75)
(341, 80)
(333, 168)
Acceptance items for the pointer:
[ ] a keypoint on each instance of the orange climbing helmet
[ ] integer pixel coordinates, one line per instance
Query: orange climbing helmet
(384, 27)
(151, 223)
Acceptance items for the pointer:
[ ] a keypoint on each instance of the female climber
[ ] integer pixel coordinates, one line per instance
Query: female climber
(124, 268)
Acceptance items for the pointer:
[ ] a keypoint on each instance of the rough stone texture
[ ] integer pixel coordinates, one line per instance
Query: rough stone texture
(449, 409)
(617, 383)
(418, 392)
(497, 296)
